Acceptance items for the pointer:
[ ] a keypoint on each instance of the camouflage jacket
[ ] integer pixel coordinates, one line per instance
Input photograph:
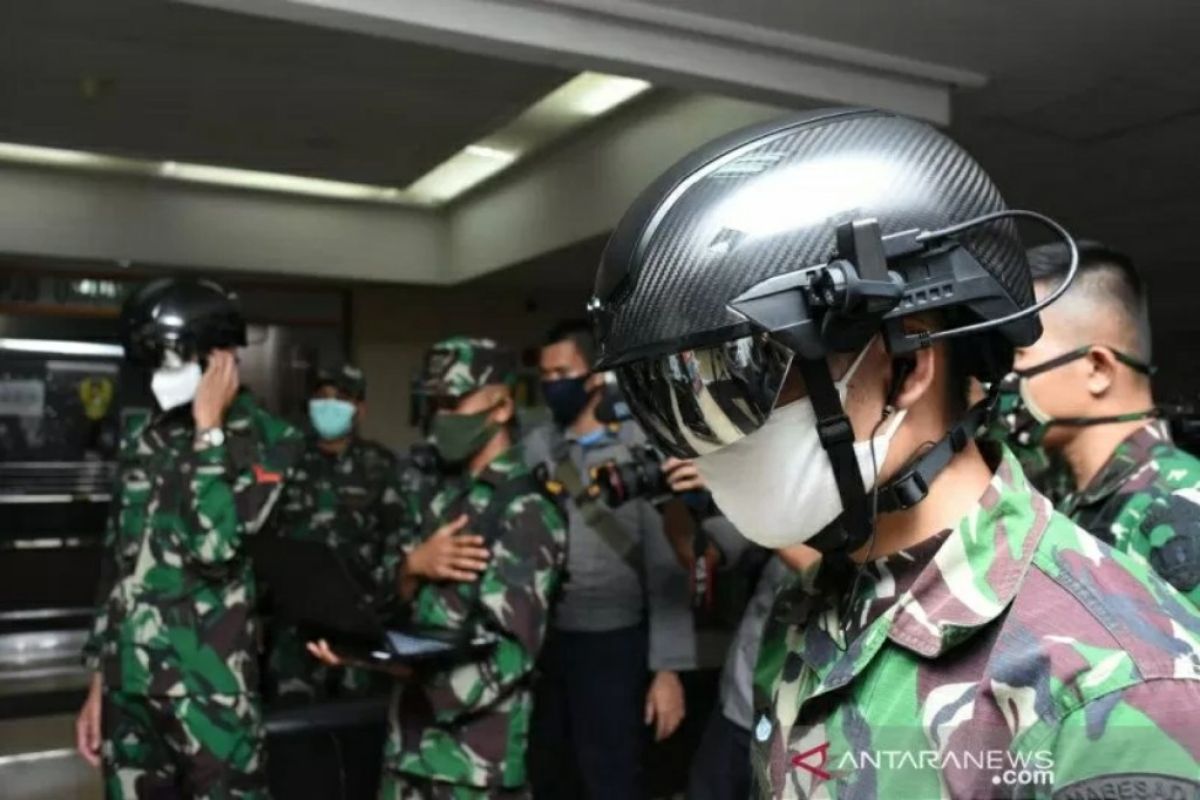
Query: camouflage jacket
(177, 593)
(1146, 500)
(352, 503)
(469, 724)
(1012, 656)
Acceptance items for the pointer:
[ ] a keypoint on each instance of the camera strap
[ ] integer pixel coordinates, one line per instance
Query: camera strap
(595, 513)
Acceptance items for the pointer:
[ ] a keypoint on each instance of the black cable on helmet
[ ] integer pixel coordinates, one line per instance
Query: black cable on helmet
(928, 338)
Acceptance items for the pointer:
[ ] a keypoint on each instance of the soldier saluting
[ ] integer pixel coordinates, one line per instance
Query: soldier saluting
(173, 708)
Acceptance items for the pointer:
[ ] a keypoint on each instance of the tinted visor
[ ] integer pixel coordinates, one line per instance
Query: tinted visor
(697, 401)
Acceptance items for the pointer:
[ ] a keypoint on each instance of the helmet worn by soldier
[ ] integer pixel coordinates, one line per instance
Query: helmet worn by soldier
(459, 365)
(459, 381)
(179, 319)
(763, 254)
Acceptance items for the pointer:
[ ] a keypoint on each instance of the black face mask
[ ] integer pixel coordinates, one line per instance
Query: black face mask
(566, 398)
(1016, 418)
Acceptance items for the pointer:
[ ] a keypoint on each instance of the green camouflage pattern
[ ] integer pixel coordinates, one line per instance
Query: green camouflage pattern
(352, 503)
(457, 366)
(405, 787)
(346, 378)
(1146, 501)
(1011, 656)
(177, 593)
(1049, 474)
(468, 725)
(206, 748)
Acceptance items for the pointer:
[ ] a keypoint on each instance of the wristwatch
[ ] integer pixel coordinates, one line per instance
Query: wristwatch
(210, 437)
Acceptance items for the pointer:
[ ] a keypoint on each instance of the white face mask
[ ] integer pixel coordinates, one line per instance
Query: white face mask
(175, 386)
(777, 485)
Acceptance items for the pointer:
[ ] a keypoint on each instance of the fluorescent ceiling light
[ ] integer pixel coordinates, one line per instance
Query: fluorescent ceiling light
(62, 347)
(593, 94)
(579, 100)
(199, 173)
(28, 154)
(471, 165)
(505, 157)
(276, 182)
(573, 104)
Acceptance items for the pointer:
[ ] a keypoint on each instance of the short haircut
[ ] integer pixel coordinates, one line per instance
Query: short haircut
(579, 332)
(1105, 275)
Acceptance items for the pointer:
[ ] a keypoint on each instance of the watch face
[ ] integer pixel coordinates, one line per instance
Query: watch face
(212, 437)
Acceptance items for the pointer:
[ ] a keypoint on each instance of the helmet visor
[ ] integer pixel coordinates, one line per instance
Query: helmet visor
(697, 401)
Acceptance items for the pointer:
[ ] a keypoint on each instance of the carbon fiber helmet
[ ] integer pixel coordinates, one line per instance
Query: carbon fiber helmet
(186, 317)
(776, 246)
(767, 201)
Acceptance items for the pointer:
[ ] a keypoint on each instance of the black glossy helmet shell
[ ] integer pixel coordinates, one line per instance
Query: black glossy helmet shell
(187, 316)
(766, 201)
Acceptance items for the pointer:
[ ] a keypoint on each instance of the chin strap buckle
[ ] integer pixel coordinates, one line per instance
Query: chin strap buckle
(912, 484)
(835, 430)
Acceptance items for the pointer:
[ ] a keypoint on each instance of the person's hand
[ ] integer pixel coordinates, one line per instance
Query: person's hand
(448, 555)
(87, 724)
(321, 651)
(218, 386)
(682, 476)
(799, 557)
(664, 704)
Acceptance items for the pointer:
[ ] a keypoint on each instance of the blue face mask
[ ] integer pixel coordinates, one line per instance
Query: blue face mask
(331, 418)
(593, 438)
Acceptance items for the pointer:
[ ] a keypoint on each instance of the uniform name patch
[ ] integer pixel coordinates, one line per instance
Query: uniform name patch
(1131, 786)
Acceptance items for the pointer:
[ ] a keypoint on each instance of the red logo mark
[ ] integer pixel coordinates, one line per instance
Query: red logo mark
(263, 475)
(821, 753)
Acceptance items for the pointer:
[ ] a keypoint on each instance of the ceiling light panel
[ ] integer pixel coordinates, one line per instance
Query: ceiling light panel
(583, 98)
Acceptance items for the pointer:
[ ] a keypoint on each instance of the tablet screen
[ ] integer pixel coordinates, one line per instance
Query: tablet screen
(403, 644)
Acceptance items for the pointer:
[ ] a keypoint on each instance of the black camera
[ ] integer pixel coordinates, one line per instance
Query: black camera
(642, 476)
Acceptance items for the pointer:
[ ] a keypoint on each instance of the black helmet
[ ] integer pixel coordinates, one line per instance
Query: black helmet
(183, 316)
(780, 244)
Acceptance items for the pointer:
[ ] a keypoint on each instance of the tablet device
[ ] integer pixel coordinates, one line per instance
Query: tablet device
(314, 587)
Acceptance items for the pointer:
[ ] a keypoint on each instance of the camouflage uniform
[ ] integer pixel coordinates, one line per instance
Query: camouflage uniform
(1011, 656)
(1049, 473)
(462, 732)
(174, 635)
(352, 503)
(1146, 500)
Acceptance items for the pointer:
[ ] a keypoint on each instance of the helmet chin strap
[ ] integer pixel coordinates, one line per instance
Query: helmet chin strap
(856, 524)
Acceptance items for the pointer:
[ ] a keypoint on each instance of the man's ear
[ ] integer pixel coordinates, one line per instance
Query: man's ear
(360, 411)
(910, 381)
(1101, 371)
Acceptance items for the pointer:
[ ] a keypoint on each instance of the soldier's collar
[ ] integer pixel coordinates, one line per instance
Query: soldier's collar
(978, 569)
(1129, 456)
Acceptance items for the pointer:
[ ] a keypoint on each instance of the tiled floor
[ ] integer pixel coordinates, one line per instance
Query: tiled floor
(38, 761)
